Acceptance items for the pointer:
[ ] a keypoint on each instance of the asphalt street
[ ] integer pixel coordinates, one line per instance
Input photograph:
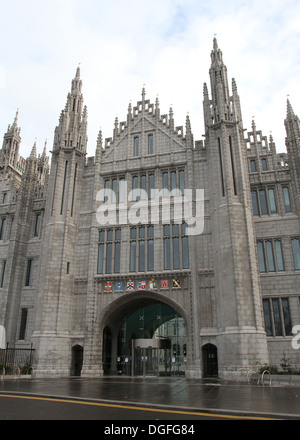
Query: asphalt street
(125, 398)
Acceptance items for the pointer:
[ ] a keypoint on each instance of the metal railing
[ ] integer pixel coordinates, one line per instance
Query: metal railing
(16, 361)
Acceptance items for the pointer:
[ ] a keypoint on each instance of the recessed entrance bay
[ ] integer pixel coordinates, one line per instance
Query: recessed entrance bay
(151, 342)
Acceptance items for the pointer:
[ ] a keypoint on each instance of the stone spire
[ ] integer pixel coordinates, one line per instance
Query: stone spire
(219, 83)
(33, 153)
(72, 129)
(99, 147)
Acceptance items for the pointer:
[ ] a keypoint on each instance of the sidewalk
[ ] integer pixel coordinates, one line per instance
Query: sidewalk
(171, 392)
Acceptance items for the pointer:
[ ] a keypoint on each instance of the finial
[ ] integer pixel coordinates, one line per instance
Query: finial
(99, 139)
(215, 43)
(205, 91)
(45, 148)
(234, 87)
(78, 72)
(85, 114)
(33, 151)
(15, 123)
(290, 111)
(188, 123)
(143, 93)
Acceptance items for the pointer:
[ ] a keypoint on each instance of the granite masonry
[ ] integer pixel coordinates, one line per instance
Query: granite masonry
(103, 277)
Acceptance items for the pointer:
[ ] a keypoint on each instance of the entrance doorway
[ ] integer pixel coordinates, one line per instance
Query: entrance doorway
(151, 357)
(77, 360)
(150, 341)
(210, 360)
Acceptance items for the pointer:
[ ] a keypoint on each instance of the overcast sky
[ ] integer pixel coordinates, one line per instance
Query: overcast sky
(164, 44)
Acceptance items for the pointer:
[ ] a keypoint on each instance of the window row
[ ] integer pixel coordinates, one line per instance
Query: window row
(277, 317)
(109, 251)
(264, 200)
(136, 145)
(6, 227)
(141, 249)
(270, 258)
(176, 247)
(143, 186)
(28, 272)
(270, 255)
(253, 165)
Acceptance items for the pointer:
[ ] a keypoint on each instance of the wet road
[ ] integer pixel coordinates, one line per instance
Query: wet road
(20, 407)
(162, 394)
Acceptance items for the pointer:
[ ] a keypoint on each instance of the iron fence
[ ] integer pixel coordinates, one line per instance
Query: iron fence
(16, 361)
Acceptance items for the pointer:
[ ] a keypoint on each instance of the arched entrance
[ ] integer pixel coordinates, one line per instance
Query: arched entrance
(145, 337)
(210, 360)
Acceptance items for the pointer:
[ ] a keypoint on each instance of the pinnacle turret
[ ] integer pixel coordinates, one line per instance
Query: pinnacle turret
(33, 151)
(72, 129)
(222, 106)
(290, 112)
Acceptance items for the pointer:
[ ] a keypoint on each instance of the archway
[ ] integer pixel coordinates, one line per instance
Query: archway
(210, 360)
(145, 335)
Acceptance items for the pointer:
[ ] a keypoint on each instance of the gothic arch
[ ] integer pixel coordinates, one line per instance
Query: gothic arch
(123, 307)
(122, 312)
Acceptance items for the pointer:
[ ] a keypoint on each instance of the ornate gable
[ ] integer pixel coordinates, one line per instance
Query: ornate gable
(146, 132)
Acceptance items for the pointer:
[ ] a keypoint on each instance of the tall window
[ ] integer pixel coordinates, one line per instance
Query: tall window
(23, 324)
(135, 188)
(270, 257)
(114, 190)
(264, 165)
(109, 251)
(165, 184)
(286, 197)
(173, 182)
(296, 252)
(136, 146)
(176, 248)
(181, 182)
(185, 247)
(150, 144)
(254, 202)
(29, 272)
(101, 252)
(106, 191)
(141, 249)
(37, 226)
(150, 247)
(117, 251)
(253, 166)
(272, 203)
(132, 261)
(3, 227)
(143, 187)
(143, 193)
(109, 247)
(263, 201)
(3, 273)
(167, 248)
(151, 186)
(277, 317)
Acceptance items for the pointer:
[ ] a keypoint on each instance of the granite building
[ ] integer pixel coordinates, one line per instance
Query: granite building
(101, 270)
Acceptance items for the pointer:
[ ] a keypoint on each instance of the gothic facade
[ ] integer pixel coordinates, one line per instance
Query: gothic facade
(103, 277)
